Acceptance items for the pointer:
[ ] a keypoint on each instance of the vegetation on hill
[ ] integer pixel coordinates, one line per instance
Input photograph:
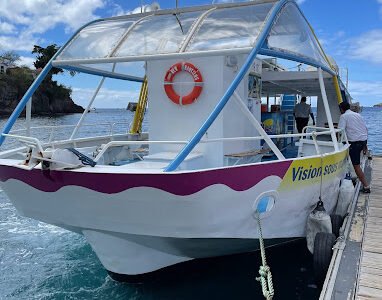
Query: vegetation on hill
(50, 98)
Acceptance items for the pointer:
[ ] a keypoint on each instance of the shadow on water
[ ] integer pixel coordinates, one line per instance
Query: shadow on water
(233, 277)
(79, 275)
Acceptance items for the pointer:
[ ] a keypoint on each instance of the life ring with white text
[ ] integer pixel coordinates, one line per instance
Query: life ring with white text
(169, 83)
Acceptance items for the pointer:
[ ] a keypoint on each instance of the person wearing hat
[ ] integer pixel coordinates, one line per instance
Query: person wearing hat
(356, 132)
(301, 114)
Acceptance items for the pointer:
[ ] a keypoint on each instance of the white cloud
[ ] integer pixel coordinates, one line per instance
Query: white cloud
(34, 17)
(22, 42)
(106, 98)
(116, 10)
(300, 1)
(41, 15)
(7, 28)
(367, 46)
(139, 9)
(26, 61)
(366, 92)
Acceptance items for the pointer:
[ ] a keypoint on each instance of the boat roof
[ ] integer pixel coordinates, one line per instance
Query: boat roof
(218, 29)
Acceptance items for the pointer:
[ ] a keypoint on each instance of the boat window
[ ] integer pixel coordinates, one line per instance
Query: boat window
(229, 28)
(291, 33)
(97, 40)
(158, 34)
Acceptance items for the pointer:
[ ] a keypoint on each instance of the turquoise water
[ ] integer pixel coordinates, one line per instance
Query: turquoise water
(40, 261)
(373, 118)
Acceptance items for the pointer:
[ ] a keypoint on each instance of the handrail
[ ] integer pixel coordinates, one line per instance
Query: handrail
(317, 128)
(272, 136)
(55, 127)
(26, 139)
(203, 141)
(124, 143)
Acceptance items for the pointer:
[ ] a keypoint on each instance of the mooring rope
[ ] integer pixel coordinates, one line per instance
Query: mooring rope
(265, 278)
(322, 171)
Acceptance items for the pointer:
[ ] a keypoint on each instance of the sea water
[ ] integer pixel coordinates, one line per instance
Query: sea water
(41, 261)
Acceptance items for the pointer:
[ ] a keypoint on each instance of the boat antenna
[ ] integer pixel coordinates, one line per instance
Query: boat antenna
(176, 16)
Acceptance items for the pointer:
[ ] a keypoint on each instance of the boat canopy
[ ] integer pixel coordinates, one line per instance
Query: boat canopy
(220, 29)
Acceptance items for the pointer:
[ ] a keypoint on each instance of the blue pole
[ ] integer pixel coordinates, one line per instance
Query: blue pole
(223, 101)
(100, 73)
(29, 93)
(24, 100)
(289, 56)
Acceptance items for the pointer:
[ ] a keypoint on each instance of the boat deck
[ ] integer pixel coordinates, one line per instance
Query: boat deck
(355, 271)
(370, 271)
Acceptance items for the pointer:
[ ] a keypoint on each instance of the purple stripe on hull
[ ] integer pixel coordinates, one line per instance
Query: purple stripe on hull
(182, 184)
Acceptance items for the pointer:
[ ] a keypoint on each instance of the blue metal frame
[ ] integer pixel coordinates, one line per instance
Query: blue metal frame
(23, 102)
(36, 83)
(300, 59)
(223, 101)
(102, 73)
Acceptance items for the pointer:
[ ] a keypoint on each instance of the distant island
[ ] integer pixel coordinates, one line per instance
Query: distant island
(378, 105)
(49, 99)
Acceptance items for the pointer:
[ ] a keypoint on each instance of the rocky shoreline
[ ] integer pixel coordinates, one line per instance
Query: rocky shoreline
(50, 98)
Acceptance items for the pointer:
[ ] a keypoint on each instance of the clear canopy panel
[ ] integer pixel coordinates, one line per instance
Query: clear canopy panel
(158, 34)
(97, 40)
(222, 27)
(228, 28)
(291, 33)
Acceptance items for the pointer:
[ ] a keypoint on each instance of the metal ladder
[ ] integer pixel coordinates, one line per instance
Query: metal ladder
(136, 127)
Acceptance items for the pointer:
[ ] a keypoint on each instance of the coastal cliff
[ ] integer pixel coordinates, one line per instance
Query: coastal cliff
(49, 99)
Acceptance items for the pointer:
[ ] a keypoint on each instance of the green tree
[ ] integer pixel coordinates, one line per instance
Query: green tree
(44, 55)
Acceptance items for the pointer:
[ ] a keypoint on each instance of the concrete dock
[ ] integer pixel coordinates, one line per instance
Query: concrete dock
(355, 271)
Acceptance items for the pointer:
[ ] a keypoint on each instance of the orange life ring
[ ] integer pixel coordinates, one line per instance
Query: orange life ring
(169, 85)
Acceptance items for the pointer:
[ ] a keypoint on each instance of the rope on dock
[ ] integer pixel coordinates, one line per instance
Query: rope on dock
(265, 278)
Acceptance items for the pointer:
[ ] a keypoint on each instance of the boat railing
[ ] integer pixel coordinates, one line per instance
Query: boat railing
(341, 134)
(32, 141)
(55, 129)
(305, 135)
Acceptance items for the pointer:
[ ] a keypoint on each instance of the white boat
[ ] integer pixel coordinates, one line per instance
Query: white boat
(192, 185)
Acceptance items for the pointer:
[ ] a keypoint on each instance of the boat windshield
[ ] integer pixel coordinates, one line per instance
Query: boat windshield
(291, 33)
(211, 28)
(205, 30)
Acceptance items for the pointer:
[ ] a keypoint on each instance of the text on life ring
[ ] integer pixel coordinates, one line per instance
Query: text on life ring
(169, 83)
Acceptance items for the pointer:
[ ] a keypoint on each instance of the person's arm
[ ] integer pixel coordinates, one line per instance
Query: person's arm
(342, 123)
(311, 114)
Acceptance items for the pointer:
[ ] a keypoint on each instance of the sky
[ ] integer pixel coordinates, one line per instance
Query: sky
(350, 31)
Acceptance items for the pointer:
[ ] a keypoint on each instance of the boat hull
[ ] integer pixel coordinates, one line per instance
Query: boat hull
(138, 223)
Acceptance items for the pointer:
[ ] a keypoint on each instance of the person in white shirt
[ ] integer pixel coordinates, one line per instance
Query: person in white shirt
(356, 132)
(301, 114)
